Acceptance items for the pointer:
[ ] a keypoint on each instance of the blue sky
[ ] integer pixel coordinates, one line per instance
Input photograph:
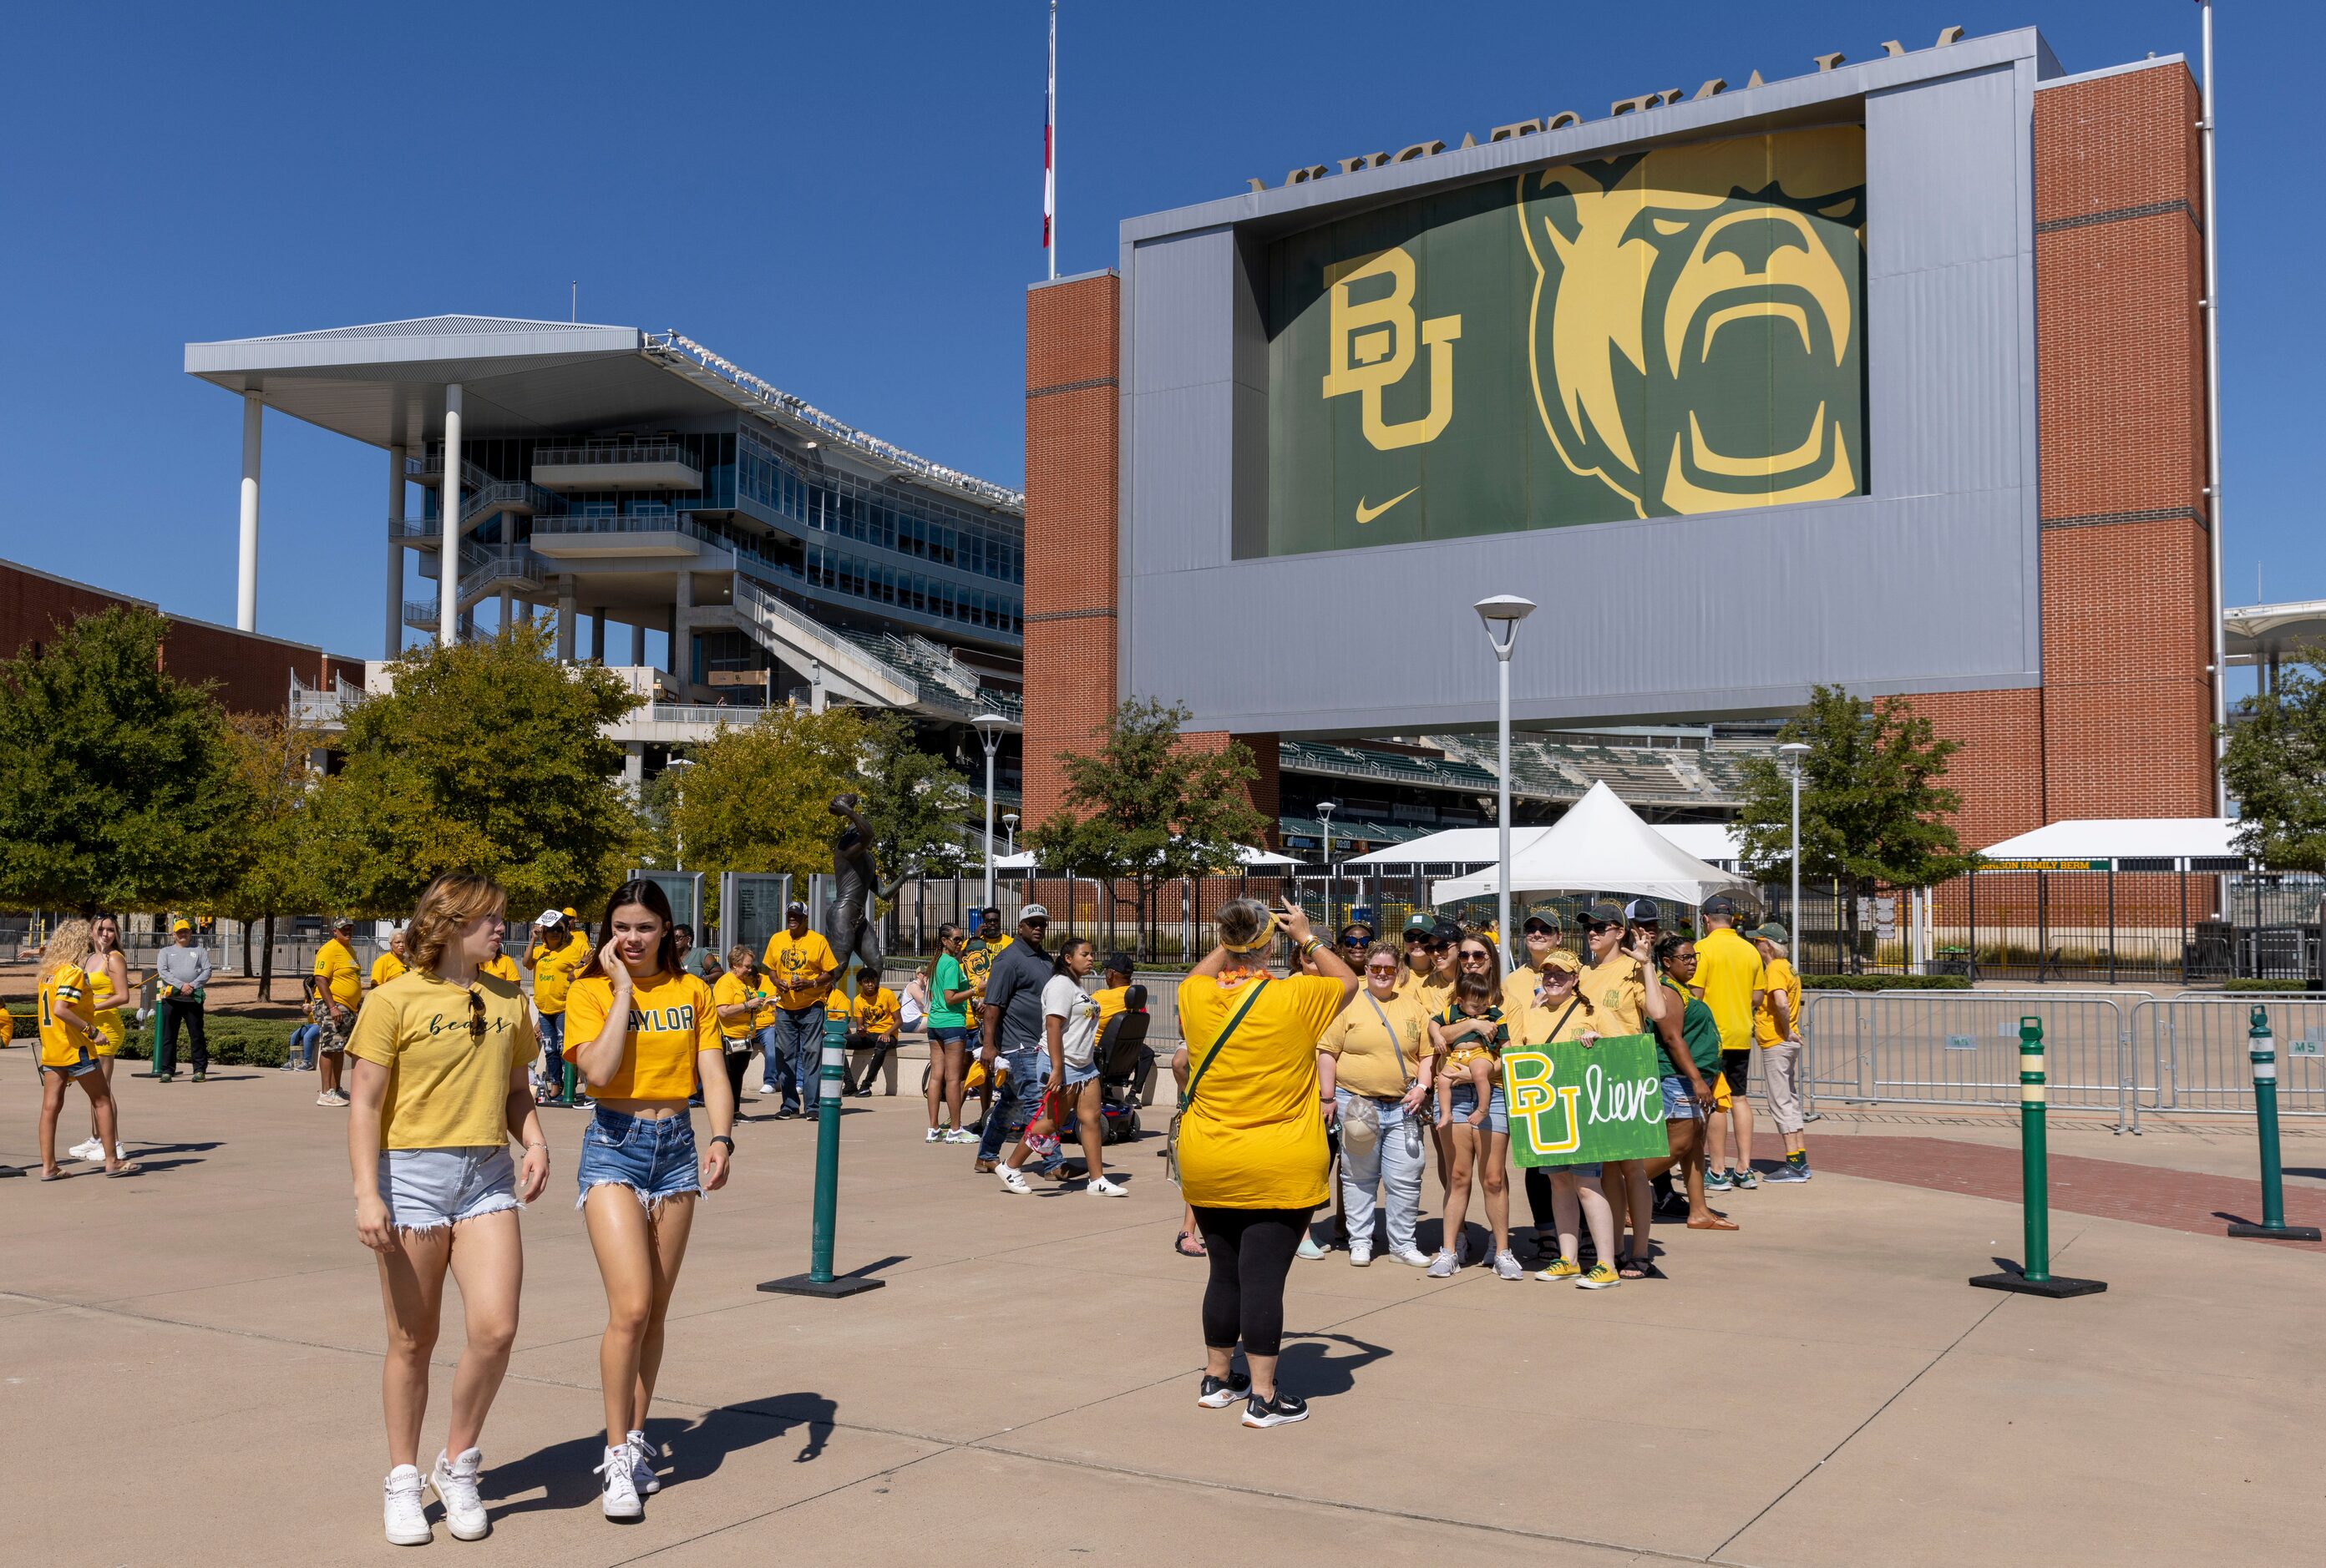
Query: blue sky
(845, 199)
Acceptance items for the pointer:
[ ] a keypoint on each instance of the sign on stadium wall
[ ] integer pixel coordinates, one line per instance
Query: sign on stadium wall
(1656, 333)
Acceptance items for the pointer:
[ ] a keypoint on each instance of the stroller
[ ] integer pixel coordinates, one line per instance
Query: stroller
(1126, 1065)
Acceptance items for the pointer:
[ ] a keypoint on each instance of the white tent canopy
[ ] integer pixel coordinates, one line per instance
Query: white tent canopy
(1599, 846)
(2122, 838)
(1469, 846)
(1250, 857)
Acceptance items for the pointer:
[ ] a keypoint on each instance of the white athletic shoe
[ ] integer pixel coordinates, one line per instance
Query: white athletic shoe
(620, 1499)
(1100, 1187)
(766, 1091)
(87, 1149)
(1309, 1249)
(961, 1135)
(1013, 1180)
(1444, 1265)
(1507, 1266)
(936, 1135)
(1412, 1258)
(1361, 1254)
(642, 1458)
(407, 1523)
(455, 1480)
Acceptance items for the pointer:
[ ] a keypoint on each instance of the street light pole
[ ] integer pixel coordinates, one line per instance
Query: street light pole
(1501, 614)
(989, 727)
(1325, 810)
(1009, 825)
(1794, 751)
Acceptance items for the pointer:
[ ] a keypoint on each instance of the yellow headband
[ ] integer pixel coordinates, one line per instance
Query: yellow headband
(1266, 935)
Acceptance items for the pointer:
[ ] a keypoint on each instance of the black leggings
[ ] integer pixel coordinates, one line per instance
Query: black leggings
(1251, 1252)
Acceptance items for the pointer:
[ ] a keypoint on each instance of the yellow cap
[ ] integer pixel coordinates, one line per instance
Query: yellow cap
(179, 926)
(569, 913)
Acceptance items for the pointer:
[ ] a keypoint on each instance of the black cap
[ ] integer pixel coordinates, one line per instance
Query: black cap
(1542, 923)
(1446, 931)
(1117, 963)
(1645, 910)
(1605, 912)
(1720, 904)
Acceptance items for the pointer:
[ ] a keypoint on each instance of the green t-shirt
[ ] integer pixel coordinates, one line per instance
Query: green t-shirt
(1699, 1031)
(948, 977)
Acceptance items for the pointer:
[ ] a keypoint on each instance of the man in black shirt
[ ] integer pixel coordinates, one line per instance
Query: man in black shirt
(1010, 1017)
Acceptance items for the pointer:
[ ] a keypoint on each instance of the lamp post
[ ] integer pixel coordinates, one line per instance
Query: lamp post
(1501, 614)
(678, 789)
(1325, 810)
(1010, 826)
(989, 727)
(1793, 751)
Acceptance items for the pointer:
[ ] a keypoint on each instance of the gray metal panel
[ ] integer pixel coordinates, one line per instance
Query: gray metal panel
(514, 345)
(1185, 481)
(1947, 413)
(1184, 279)
(1952, 145)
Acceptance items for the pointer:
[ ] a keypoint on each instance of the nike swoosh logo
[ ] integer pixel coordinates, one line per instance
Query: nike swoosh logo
(1367, 514)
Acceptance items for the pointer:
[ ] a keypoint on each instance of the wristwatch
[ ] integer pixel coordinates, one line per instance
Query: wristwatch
(723, 1138)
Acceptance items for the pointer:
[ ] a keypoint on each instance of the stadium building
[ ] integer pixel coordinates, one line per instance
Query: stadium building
(1890, 374)
(617, 479)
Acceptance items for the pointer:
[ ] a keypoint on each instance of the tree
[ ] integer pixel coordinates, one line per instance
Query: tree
(914, 802)
(486, 756)
(117, 784)
(754, 799)
(274, 755)
(1148, 808)
(1874, 811)
(2274, 761)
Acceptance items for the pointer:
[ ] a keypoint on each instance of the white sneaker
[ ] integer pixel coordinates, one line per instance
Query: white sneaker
(1013, 1180)
(1413, 1257)
(961, 1135)
(87, 1149)
(1443, 1267)
(1100, 1187)
(1361, 1254)
(1507, 1266)
(766, 1091)
(455, 1480)
(620, 1499)
(407, 1523)
(642, 1458)
(936, 1135)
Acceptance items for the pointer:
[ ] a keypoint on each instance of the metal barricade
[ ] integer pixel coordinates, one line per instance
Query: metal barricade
(1961, 1048)
(2190, 1058)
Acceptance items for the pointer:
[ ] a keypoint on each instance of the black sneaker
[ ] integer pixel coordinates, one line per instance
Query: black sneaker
(1280, 1411)
(1219, 1393)
(787, 1113)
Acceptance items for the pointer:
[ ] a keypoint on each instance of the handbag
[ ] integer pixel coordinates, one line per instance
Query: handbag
(1171, 1139)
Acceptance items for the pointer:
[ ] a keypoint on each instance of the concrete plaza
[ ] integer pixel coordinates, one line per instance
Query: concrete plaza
(193, 1356)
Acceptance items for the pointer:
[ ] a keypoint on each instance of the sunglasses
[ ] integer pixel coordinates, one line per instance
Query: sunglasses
(1481, 954)
(476, 1017)
(1595, 926)
(1356, 941)
(1381, 969)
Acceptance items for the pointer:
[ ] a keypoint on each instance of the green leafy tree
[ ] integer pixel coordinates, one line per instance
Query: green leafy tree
(118, 787)
(2274, 761)
(274, 755)
(914, 800)
(1873, 808)
(755, 798)
(1146, 807)
(486, 756)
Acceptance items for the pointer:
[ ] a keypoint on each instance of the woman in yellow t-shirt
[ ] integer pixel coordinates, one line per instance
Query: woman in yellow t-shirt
(1374, 1061)
(644, 1033)
(437, 1087)
(109, 992)
(69, 1035)
(1251, 1149)
(395, 961)
(746, 1003)
(1561, 1012)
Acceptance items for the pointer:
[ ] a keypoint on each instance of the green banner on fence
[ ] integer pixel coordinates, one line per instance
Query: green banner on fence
(1571, 1104)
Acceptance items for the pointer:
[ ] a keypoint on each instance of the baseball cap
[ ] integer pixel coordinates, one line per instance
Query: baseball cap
(1543, 923)
(1606, 911)
(1032, 912)
(572, 914)
(1720, 904)
(1118, 963)
(1446, 931)
(1420, 924)
(794, 907)
(179, 926)
(1644, 910)
(1771, 932)
(1564, 961)
(548, 918)
(343, 923)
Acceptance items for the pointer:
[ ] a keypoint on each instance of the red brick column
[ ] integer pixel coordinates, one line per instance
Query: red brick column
(1073, 355)
(2126, 568)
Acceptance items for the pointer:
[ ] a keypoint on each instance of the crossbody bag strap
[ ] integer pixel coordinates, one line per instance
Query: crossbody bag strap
(1192, 1083)
(1561, 1019)
(1394, 1048)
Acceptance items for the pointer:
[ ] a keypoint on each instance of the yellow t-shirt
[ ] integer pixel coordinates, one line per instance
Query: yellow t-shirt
(794, 959)
(335, 966)
(729, 992)
(1109, 1000)
(62, 1043)
(554, 969)
(977, 956)
(671, 1021)
(1518, 987)
(1777, 975)
(1254, 1137)
(386, 968)
(1618, 998)
(502, 967)
(1433, 994)
(446, 1088)
(878, 1013)
(109, 1017)
(1375, 1062)
(1727, 972)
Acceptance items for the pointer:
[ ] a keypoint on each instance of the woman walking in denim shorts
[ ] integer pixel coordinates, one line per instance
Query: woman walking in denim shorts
(644, 1034)
(438, 1088)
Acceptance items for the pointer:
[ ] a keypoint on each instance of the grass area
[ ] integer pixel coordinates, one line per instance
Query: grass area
(234, 1041)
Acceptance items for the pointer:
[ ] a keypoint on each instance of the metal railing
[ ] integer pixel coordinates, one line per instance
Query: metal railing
(762, 609)
(624, 452)
(630, 523)
(1961, 1048)
(2189, 1054)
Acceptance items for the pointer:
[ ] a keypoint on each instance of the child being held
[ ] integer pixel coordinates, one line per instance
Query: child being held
(1471, 1033)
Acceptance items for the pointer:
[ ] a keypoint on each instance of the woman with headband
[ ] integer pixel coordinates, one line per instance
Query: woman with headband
(1250, 1139)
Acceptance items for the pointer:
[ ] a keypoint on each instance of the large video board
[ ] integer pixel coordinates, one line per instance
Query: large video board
(1658, 332)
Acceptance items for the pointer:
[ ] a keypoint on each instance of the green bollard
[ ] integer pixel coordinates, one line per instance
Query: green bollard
(571, 1083)
(2262, 1047)
(2035, 1276)
(819, 1279)
(157, 1035)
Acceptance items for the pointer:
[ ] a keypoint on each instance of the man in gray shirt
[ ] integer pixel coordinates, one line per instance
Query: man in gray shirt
(180, 970)
(1011, 1013)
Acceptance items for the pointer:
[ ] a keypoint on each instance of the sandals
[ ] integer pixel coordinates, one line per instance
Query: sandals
(126, 1168)
(1630, 1266)
(1179, 1244)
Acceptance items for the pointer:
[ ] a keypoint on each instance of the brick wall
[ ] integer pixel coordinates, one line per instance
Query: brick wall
(2127, 569)
(1999, 771)
(252, 673)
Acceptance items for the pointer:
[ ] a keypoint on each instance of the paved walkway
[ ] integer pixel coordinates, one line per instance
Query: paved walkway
(196, 1353)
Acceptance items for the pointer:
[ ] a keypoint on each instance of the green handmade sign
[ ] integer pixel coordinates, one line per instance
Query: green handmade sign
(1572, 1104)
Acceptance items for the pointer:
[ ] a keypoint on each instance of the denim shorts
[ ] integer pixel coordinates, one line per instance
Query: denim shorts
(1079, 1075)
(944, 1035)
(429, 1189)
(1465, 1101)
(653, 1159)
(1680, 1104)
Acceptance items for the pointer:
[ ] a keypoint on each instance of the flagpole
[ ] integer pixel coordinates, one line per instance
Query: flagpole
(1050, 152)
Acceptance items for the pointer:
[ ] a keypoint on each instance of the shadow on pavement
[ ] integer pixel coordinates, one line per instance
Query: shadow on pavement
(565, 1472)
(1308, 1371)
